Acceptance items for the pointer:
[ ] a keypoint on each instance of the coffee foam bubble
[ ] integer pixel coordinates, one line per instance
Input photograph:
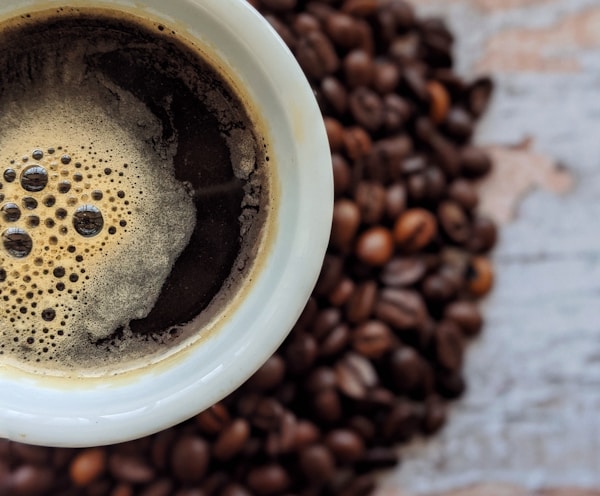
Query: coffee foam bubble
(101, 234)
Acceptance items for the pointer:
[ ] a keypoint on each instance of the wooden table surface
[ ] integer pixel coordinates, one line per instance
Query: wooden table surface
(530, 422)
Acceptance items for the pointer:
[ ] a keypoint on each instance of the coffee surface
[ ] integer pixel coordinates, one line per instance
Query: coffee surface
(131, 190)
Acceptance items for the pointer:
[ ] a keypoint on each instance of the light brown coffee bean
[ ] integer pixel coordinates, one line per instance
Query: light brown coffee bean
(415, 229)
(87, 466)
(375, 246)
(345, 224)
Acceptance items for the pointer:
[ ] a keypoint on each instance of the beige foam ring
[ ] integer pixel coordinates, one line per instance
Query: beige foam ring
(73, 289)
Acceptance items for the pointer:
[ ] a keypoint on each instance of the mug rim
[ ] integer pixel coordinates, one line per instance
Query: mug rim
(76, 417)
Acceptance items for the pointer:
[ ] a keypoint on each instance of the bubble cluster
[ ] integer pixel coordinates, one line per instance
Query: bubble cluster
(53, 220)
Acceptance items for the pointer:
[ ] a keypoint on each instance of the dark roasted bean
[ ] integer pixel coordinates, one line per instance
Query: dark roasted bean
(403, 271)
(372, 339)
(213, 420)
(401, 308)
(360, 305)
(355, 375)
(317, 463)
(370, 199)
(474, 162)
(454, 222)
(335, 94)
(268, 480)
(316, 55)
(190, 459)
(367, 108)
(359, 69)
(466, 315)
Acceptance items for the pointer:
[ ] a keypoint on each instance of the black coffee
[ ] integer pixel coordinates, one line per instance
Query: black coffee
(133, 189)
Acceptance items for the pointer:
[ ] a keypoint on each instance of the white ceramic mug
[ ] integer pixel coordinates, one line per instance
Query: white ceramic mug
(84, 412)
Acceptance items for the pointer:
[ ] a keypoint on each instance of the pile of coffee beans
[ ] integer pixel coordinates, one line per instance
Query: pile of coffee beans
(377, 354)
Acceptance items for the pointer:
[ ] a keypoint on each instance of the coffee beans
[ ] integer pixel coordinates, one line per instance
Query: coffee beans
(377, 353)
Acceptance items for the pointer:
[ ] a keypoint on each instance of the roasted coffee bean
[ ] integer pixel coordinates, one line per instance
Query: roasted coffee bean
(466, 315)
(463, 193)
(454, 222)
(484, 235)
(306, 433)
(232, 440)
(345, 445)
(269, 376)
(396, 112)
(87, 466)
(450, 385)
(355, 375)
(357, 143)
(362, 302)
(327, 406)
(375, 246)
(335, 94)
(481, 276)
(283, 440)
(316, 55)
(474, 162)
(449, 345)
(190, 459)
(301, 353)
(359, 69)
(434, 416)
(401, 308)
(317, 463)
(335, 342)
(324, 322)
(267, 415)
(415, 229)
(341, 174)
(333, 266)
(131, 469)
(29, 480)
(268, 480)
(321, 379)
(439, 101)
(360, 8)
(371, 201)
(402, 422)
(342, 30)
(395, 200)
(335, 134)
(386, 77)
(342, 292)
(303, 23)
(479, 95)
(372, 339)
(346, 221)
(214, 419)
(409, 372)
(459, 124)
(367, 108)
(403, 271)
